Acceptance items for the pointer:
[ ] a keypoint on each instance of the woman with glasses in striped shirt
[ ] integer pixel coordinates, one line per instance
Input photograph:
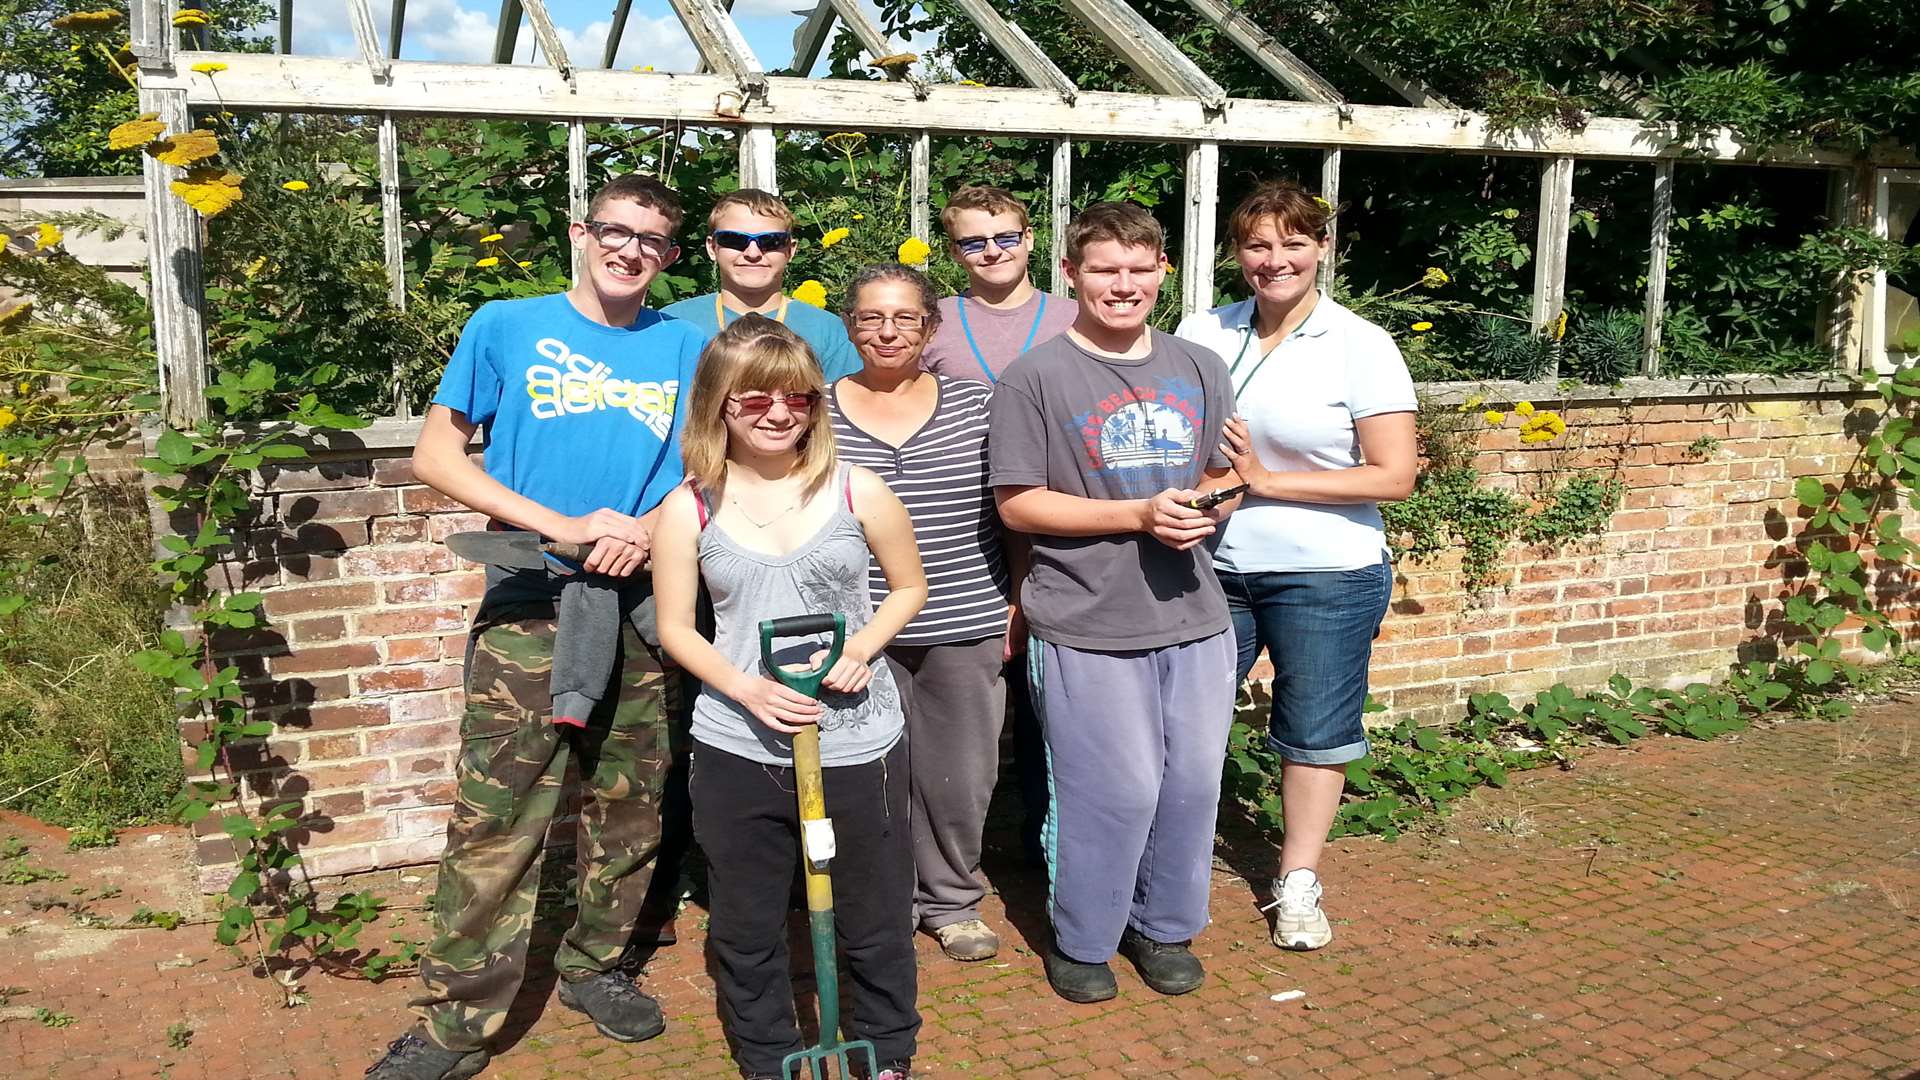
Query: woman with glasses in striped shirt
(926, 436)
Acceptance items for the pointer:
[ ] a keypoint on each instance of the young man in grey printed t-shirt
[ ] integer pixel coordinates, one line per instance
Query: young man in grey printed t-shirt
(1098, 440)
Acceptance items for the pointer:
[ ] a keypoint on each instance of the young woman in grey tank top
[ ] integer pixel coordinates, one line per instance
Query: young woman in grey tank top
(776, 527)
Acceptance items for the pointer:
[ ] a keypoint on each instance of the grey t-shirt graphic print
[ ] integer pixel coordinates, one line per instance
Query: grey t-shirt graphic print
(1077, 422)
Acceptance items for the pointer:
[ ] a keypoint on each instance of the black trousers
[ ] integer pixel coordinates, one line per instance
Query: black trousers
(748, 823)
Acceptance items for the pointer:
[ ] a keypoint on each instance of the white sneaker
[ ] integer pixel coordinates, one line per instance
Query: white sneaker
(1299, 923)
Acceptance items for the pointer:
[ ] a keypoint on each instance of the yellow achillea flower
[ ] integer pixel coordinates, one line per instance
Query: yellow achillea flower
(191, 17)
(139, 131)
(913, 250)
(834, 236)
(6, 415)
(1525, 408)
(1494, 416)
(487, 263)
(82, 21)
(1560, 326)
(16, 315)
(1323, 203)
(493, 238)
(295, 185)
(3, 460)
(643, 67)
(256, 266)
(186, 148)
(1472, 403)
(210, 191)
(1422, 326)
(811, 292)
(50, 236)
(5, 239)
(210, 67)
(1543, 427)
(859, 217)
(523, 264)
(969, 82)
(1434, 277)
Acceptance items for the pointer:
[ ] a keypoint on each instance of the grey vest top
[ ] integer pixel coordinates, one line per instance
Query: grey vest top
(828, 573)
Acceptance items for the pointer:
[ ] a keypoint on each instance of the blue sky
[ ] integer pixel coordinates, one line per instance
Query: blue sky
(463, 30)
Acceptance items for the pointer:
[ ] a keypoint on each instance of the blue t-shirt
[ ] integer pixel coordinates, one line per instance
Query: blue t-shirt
(579, 416)
(821, 330)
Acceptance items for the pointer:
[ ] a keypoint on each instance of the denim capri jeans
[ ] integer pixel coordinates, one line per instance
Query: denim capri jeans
(1318, 629)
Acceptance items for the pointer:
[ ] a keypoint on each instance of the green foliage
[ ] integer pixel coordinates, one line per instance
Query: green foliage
(1578, 508)
(51, 1018)
(179, 1035)
(63, 90)
(1605, 348)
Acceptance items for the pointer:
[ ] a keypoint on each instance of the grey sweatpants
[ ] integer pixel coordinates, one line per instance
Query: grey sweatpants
(955, 698)
(1135, 742)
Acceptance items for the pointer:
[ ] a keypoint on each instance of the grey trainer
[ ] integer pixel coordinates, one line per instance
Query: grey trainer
(412, 1057)
(617, 1007)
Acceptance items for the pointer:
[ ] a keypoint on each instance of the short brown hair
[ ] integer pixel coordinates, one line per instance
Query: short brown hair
(907, 275)
(1293, 209)
(753, 353)
(1121, 222)
(763, 203)
(645, 190)
(991, 200)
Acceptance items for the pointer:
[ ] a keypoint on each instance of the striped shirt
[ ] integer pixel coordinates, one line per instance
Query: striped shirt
(940, 473)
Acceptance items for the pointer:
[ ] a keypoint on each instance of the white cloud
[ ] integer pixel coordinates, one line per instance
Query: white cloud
(660, 43)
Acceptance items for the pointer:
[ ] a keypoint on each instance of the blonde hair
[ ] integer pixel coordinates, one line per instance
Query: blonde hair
(755, 353)
(990, 200)
(761, 203)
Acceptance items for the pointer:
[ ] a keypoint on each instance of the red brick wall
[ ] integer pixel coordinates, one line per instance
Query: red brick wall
(360, 663)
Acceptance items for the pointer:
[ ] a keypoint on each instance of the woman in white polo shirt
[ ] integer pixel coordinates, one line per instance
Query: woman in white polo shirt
(1324, 434)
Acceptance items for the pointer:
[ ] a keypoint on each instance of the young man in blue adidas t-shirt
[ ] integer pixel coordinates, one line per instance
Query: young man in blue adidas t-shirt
(750, 239)
(580, 395)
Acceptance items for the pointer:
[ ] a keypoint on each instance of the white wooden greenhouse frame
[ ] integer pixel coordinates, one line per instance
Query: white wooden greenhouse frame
(734, 91)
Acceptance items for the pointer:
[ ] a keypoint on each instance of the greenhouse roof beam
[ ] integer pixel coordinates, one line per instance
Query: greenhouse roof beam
(615, 31)
(1279, 61)
(1158, 62)
(1033, 64)
(875, 42)
(1417, 93)
(360, 12)
(722, 46)
(811, 36)
(551, 47)
(396, 25)
(506, 35)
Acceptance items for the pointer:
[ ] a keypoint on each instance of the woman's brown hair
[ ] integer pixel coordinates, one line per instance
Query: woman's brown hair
(1293, 209)
(755, 353)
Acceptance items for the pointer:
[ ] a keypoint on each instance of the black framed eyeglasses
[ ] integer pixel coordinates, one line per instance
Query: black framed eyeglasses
(906, 321)
(735, 240)
(614, 237)
(974, 245)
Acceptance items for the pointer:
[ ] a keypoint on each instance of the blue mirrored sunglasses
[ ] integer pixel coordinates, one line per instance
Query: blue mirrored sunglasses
(974, 245)
(734, 240)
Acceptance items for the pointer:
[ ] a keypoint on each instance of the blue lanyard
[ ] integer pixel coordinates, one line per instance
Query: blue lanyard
(968, 331)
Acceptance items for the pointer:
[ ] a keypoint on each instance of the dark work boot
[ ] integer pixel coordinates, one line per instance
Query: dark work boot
(1169, 967)
(1079, 982)
(616, 1006)
(413, 1057)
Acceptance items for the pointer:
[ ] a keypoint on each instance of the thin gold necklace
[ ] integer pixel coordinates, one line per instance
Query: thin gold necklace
(756, 522)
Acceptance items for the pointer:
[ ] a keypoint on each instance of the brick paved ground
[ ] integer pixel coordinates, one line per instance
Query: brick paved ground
(1744, 908)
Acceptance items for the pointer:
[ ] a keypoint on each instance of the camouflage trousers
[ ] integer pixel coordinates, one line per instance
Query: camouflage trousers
(508, 791)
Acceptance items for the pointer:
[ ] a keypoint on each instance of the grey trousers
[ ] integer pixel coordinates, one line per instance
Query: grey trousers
(955, 699)
(1135, 742)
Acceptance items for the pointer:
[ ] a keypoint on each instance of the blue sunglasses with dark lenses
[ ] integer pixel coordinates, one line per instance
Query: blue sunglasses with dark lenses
(734, 240)
(974, 245)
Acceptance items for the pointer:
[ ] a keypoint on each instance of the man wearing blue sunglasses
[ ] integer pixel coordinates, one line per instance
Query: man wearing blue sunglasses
(750, 240)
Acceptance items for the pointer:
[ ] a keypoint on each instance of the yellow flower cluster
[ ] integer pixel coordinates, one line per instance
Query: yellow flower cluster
(1541, 427)
(83, 21)
(209, 67)
(1422, 326)
(1434, 277)
(210, 191)
(138, 131)
(49, 236)
(6, 417)
(487, 263)
(913, 251)
(811, 292)
(192, 17)
(834, 236)
(1494, 417)
(186, 148)
(295, 185)
(16, 316)
(493, 238)
(1525, 408)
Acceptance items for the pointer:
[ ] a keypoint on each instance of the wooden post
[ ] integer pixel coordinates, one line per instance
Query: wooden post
(1657, 266)
(173, 229)
(577, 184)
(1330, 191)
(922, 165)
(1550, 245)
(1203, 208)
(390, 234)
(1845, 320)
(1060, 209)
(757, 159)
